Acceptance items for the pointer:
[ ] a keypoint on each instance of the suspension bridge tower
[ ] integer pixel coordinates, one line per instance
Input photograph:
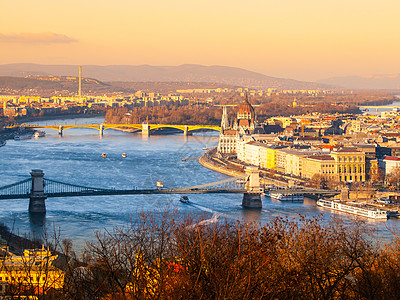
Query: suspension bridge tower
(252, 198)
(37, 197)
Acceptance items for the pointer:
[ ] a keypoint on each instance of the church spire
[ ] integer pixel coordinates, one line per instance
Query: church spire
(224, 119)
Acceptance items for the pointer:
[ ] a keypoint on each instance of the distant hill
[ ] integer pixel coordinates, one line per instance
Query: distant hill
(182, 73)
(382, 82)
(51, 83)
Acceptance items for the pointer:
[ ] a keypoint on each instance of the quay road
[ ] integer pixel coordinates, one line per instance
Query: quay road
(144, 128)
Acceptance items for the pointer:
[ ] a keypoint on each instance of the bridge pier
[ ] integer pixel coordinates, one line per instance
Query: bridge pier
(145, 129)
(186, 131)
(101, 128)
(252, 199)
(60, 130)
(37, 197)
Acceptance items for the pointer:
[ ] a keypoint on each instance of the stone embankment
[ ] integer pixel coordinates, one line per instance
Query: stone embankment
(210, 161)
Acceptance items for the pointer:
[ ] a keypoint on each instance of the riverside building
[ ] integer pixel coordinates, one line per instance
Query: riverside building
(244, 124)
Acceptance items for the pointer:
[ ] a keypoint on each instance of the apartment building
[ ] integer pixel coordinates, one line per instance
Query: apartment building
(324, 165)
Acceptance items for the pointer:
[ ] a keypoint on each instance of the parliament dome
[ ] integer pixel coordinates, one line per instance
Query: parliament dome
(246, 111)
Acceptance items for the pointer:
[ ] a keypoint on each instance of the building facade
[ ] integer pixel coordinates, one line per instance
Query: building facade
(350, 164)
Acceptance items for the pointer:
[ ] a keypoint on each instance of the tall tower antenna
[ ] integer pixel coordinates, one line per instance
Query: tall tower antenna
(80, 82)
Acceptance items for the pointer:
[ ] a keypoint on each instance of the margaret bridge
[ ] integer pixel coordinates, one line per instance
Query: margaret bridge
(37, 189)
(144, 128)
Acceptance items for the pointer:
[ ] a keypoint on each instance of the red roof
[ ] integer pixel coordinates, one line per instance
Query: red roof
(321, 157)
(394, 158)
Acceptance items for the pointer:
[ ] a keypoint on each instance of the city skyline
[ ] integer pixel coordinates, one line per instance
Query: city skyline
(306, 40)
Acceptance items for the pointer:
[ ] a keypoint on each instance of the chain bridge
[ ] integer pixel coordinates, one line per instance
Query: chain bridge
(37, 189)
(145, 128)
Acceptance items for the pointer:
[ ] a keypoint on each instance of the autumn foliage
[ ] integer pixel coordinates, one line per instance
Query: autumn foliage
(171, 258)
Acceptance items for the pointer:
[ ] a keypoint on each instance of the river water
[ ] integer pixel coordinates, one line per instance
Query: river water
(372, 111)
(75, 158)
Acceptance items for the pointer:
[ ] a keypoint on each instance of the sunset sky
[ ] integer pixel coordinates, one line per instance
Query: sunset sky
(304, 40)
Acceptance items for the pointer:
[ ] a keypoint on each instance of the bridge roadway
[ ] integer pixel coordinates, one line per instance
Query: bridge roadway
(144, 127)
(168, 191)
(38, 189)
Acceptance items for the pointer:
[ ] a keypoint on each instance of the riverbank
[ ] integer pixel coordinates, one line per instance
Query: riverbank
(236, 168)
(15, 243)
(209, 161)
(10, 133)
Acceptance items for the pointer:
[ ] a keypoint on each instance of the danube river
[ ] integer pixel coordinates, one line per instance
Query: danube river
(75, 158)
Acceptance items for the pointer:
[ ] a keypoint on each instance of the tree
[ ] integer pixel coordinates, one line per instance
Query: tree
(375, 174)
(319, 181)
(394, 177)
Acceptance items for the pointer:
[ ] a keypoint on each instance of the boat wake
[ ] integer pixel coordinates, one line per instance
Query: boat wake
(214, 218)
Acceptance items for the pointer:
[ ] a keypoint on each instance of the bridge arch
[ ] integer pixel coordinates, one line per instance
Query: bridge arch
(185, 127)
(144, 128)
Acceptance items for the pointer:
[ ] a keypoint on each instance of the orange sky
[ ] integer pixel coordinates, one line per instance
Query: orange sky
(305, 40)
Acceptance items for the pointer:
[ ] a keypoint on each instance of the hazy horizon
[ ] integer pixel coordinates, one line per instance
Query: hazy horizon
(308, 40)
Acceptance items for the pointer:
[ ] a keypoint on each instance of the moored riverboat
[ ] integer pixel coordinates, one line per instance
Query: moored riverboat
(287, 197)
(23, 137)
(39, 133)
(362, 210)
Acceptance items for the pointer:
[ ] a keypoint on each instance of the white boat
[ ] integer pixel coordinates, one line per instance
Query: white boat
(39, 133)
(124, 155)
(159, 184)
(362, 210)
(103, 155)
(287, 197)
(184, 199)
(22, 137)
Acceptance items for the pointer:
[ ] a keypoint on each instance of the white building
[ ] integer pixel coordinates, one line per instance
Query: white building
(389, 163)
(244, 124)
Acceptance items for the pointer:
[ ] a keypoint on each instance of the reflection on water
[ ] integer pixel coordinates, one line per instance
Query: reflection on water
(75, 158)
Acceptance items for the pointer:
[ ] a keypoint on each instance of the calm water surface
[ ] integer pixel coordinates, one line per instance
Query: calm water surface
(75, 158)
